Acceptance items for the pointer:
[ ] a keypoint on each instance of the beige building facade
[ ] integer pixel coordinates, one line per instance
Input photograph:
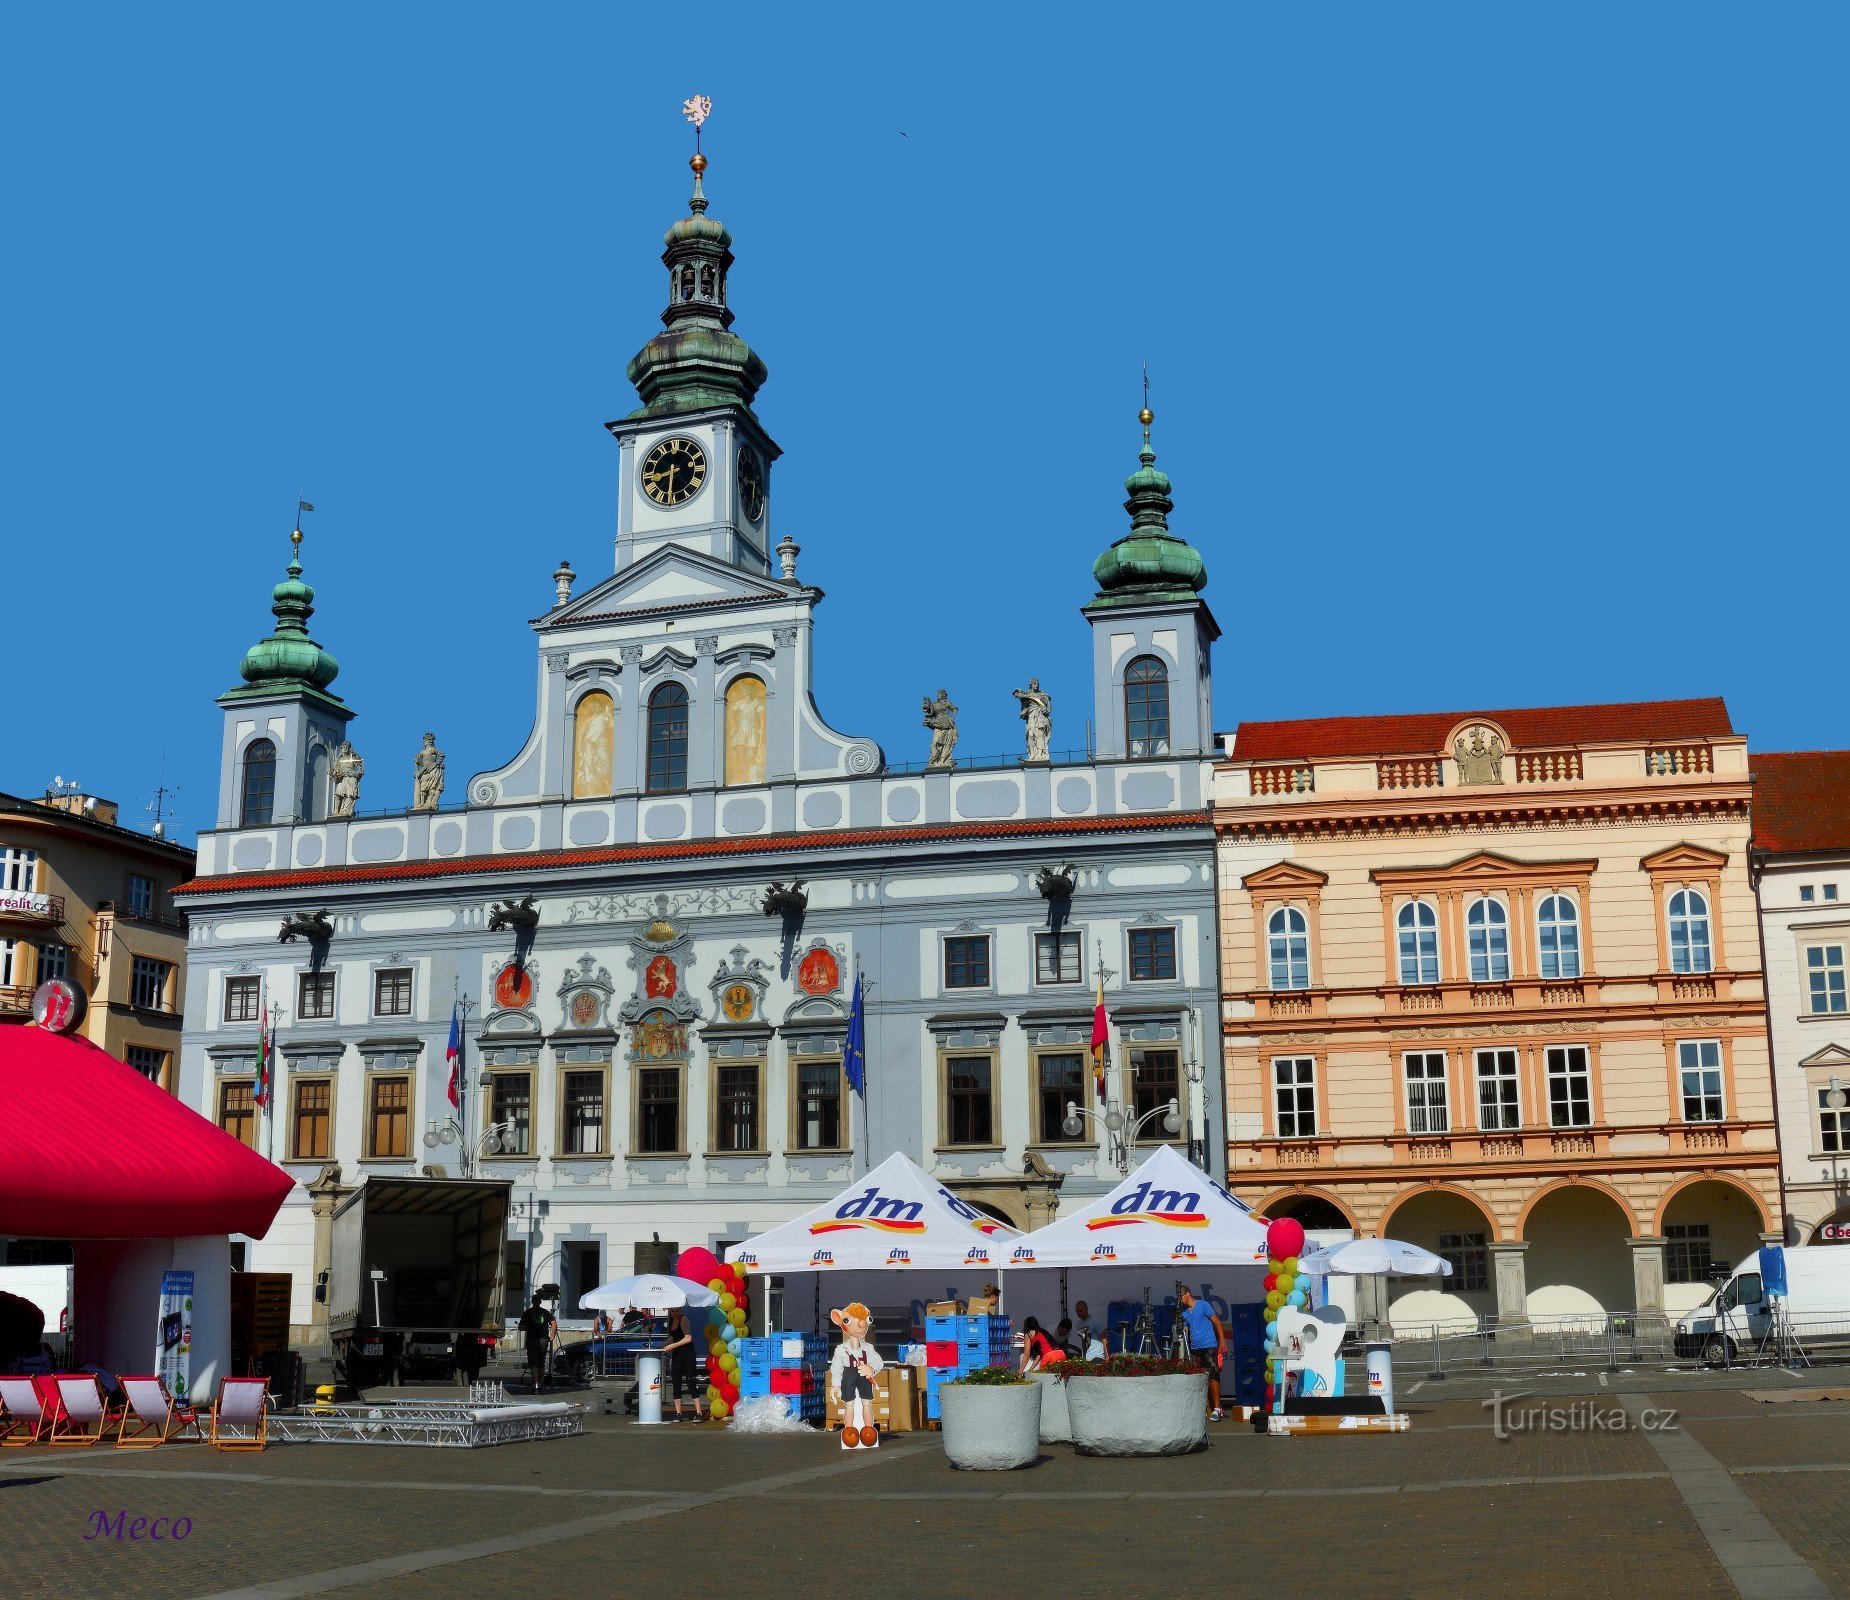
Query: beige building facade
(84, 898)
(1492, 984)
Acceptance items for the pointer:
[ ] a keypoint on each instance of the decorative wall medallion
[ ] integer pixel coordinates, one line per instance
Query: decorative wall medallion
(586, 991)
(657, 1036)
(739, 985)
(659, 981)
(1479, 753)
(584, 1009)
(513, 988)
(819, 970)
(784, 637)
(738, 1001)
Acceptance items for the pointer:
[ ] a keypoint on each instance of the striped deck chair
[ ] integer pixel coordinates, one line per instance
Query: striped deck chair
(151, 1416)
(240, 1413)
(85, 1413)
(24, 1417)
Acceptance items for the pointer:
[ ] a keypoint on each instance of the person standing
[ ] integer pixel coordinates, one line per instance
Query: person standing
(1207, 1342)
(538, 1328)
(680, 1353)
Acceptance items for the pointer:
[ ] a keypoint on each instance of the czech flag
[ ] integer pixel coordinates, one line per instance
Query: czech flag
(452, 1053)
(266, 1062)
(1101, 1040)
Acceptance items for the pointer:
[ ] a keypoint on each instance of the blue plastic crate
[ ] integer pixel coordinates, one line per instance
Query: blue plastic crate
(938, 1329)
(761, 1348)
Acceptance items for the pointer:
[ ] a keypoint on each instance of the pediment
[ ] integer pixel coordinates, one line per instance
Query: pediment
(1685, 858)
(1486, 866)
(666, 580)
(1288, 875)
(1832, 1055)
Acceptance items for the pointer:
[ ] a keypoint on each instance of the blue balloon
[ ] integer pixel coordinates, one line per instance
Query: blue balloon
(1271, 1336)
(1297, 1297)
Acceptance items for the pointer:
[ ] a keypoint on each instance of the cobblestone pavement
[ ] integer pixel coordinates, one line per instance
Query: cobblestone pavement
(1557, 1508)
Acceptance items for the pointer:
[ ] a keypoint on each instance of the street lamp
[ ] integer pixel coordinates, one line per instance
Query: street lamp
(491, 1141)
(1121, 1133)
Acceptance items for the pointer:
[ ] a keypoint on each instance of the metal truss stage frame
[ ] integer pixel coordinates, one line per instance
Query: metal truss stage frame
(452, 1424)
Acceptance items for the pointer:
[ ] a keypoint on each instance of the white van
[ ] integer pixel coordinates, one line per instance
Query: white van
(1739, 1314)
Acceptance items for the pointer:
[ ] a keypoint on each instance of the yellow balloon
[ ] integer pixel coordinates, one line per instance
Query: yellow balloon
(736, 1317)
(1286, 1283)
(729, 1361)
(1291, 1265)
(1271, 1313)
(727, 1302)
(719, 1410)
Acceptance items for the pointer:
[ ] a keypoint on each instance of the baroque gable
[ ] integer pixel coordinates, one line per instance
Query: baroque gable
(669, 579)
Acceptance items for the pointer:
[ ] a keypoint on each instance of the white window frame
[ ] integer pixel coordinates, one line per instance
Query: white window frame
(9, 961)
(944, 962)
(147, 969)
(1833, 1124)
(1823, 963)
(1487, 940)
(1702, 1059)
(1557, 938)
(19, 869)
(409, 969)
(141, 904)
(1293, 1075)
(1513, 1077)
(1175, 951)
(1287, 944)
(1059, 939)
(1417, 921)
(1417, 1088)
(54, 961)
(1687, 923)
(1568, 1074)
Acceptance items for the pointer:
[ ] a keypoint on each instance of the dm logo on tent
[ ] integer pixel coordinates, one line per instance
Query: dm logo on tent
(745, 1261)
(975, 1218)
(1023, 1255)
(1104, 1252)
(873, 1209)
(822, 1258)
(976, 1256)
(1182, 1252)
(898, 1258)
(1169, 1208)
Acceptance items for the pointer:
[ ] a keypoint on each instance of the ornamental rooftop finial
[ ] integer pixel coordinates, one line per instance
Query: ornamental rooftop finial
(1149, 564)
(288, 660)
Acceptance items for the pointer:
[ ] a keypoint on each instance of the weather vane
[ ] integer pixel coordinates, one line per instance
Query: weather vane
(697, 110)
(1146, 416)
(295, 534)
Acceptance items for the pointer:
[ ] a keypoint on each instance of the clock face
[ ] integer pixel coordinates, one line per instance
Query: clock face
(674, 471)
(751, 483)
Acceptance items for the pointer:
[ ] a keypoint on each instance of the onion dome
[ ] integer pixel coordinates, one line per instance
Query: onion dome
(288, 660)
(698, 362)
(1149, 563)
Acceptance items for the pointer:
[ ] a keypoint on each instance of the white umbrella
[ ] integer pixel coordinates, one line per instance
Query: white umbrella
(648, 1291)
(1358, 1258)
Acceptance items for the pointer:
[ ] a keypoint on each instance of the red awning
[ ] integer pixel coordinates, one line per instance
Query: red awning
(93, 1150)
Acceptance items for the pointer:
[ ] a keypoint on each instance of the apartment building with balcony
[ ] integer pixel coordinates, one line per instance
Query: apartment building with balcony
(82, 897)
(1492, 983)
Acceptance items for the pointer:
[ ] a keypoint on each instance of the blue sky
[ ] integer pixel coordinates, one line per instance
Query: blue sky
(1498, 352)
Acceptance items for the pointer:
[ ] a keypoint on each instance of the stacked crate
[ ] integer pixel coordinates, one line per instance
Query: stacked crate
(956, 1345)
(786, 1364)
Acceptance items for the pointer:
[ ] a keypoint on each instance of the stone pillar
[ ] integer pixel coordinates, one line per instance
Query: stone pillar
(1647, 1273)
(325, 1193)
(1512, 1279)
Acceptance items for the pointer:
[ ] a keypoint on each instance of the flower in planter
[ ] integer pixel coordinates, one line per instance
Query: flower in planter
(990, 1378)
(1128, 1366)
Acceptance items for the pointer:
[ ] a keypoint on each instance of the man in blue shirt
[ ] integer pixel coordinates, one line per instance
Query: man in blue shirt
(1207, 1342)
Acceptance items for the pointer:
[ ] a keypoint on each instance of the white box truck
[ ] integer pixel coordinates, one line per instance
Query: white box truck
(1739, 1315)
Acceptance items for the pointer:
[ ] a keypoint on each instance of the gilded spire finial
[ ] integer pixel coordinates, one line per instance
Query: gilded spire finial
(295, 537)
(697, 108)
(1146, 416)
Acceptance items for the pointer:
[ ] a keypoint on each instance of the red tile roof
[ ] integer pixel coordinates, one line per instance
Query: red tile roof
(760, 844)
(1424, 732)
(1801, 800)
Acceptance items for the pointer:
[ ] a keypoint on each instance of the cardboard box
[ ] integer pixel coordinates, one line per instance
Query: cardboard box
(902, 1388)
(981, 1305)
(944, 1308)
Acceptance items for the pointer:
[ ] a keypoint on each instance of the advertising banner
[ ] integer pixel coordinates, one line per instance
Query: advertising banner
(173, 1348)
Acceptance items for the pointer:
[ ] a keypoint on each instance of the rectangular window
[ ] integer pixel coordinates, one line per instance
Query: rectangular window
(1824, 978)
(582, 1102)
(9, 963)
(658, 1110)
(237, 1111)
(970, 1107)
(151, 1064)
(1153, 955)
(390, 1117)
(1699, 1064)
(243, 999)
(966, 962)
(1427, 1109)
(1057, 958)
(1294, 1081)
(148, 984)
(1833, 1126)
(392, 992)
(1805, 893)
(140, 895)
(738, 1108)
(1830, 891)
(1570, 1087)
(1155, 1083)
(819, 1091)
(309, 1134)
(1469, 1254)
(315, 997)
(54, 962)
(510, 1108)
(19, 870)
(1687, 1256)
(1061, 1081)
(1499, 1100)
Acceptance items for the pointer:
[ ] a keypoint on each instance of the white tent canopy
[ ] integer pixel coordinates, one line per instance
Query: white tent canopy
(1168, 1212)
(1361, 1258)
(897, 1218)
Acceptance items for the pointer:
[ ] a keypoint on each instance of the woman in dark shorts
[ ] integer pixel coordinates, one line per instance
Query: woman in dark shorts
(680, 1353)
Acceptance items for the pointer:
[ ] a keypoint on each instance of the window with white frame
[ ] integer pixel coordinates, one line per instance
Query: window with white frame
(1427, 1110)
(1699, 1066)
(1570, 1086)
(243, 999)
(140, 895)
(1287, 934)
(1830, 891)
(1499, 1094)
(54, 962)
(392, 992)
(966, 961)
(1557, 929)
(1058, 958)
(1689, 932)
(1153, 955)
(1418, 926)
(148, 984)
(19, 869)
(9, 962)
(1687, 1254)
(1487, 937)
(315, 997)
(1824, 978)
(1833, 1125)
(1294, 1083)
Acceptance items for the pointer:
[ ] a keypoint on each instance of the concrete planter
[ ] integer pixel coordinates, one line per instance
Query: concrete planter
(1056, 1427)
(991, 1427)
(1165, 1416)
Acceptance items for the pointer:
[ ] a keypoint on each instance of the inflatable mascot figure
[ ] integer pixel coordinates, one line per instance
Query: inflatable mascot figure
(852, 1370)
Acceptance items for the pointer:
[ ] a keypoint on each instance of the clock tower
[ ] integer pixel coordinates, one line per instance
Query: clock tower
(695, 462)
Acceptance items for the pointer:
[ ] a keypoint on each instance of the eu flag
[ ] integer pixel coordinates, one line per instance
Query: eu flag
(854, 1053)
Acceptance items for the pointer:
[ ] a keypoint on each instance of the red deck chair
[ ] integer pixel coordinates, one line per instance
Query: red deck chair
(239, 1413)
(24, 1417)
(151, 1416)
(85, 1415)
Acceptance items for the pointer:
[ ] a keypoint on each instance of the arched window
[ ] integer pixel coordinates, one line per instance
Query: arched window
(1557, 927)
(259, 802)
(316, 799)
(1487, 932)
(1418, 925)
(668, 739)
(1146, 707)
(594, 725)
(1287, 937)
(1689, 932)
(745, 730)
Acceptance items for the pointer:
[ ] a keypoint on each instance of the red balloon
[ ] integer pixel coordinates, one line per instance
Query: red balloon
(1268, 1394)
(1285, 1237)
(699, 1264)
(1271, 1282)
